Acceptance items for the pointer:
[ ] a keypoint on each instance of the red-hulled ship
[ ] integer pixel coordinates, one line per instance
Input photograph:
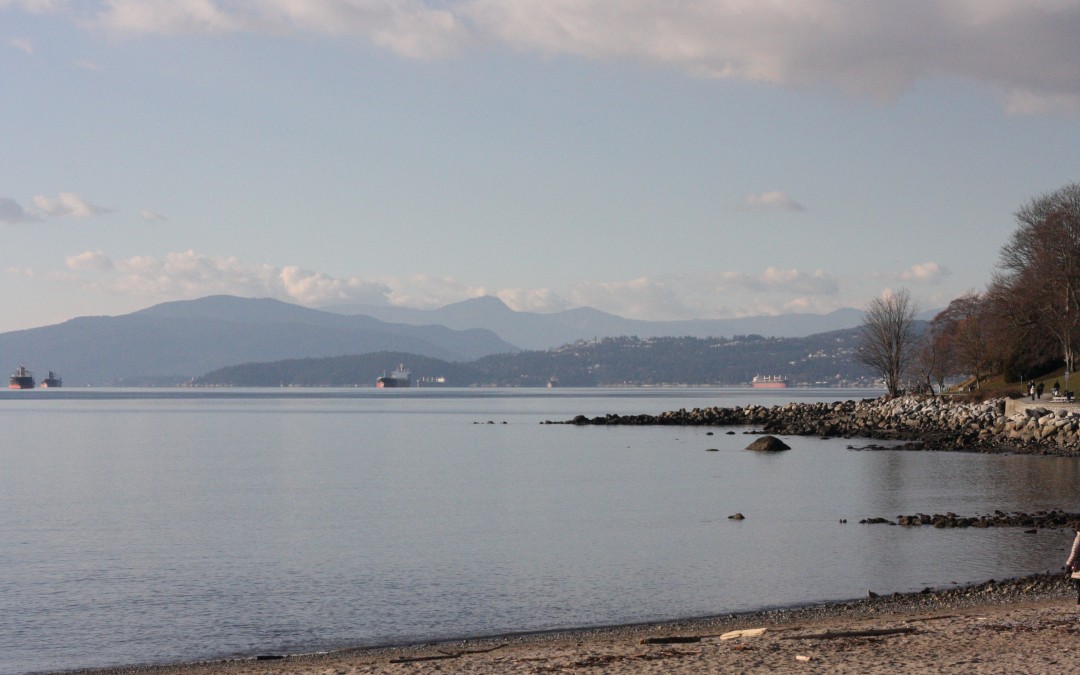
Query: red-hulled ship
(21, 379)
(769, 382)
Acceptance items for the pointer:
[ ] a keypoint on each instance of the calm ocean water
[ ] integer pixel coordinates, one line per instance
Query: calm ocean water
(150, 526)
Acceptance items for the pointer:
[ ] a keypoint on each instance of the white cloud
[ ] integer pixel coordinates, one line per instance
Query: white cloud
(87, 65)
(926, 273)
(151, 216)
(876, 50)
(777, 280)
(67, 204)
(314, 288)
(90, 261)
(715, 295)
(1024, 51)
(35, 5)
(188, 274)
(171, 16)
(636, 299)
(542, 300)
(773, 200)
(12, 213)
(426, 291)
(25, 272)
(23, 45)
(1022, 102)
(411, 28)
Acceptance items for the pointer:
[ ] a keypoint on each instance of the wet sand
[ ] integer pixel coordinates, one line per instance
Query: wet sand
(1026, 625)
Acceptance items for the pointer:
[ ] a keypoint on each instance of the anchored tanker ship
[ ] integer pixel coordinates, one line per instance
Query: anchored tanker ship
(21, 379)
(398, 378)
(769, 382)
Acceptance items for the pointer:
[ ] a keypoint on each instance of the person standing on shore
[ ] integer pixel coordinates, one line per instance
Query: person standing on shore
(1072, 565)
(1031, 390)
(1039, 390)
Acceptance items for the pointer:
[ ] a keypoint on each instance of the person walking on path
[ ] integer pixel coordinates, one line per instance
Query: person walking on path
(1031, 390)
(1056, 389)
(1072, 565)
(1039, 390)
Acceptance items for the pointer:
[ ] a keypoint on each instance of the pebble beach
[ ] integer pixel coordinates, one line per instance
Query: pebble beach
(1024, 625)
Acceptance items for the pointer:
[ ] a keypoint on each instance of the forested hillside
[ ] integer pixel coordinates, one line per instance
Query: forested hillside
(825, 359)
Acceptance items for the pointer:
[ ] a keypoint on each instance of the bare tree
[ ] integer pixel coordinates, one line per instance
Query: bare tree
(888, 337)
(1037, 280)
(961, 329)
(933, 358)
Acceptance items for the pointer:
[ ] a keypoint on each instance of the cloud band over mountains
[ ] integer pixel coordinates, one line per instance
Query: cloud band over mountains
(188, 275)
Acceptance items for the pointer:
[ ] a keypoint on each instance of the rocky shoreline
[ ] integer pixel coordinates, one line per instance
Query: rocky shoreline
(1055, 519)
(924, 423)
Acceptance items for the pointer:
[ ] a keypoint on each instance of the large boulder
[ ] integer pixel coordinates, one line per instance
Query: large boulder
(768, 444)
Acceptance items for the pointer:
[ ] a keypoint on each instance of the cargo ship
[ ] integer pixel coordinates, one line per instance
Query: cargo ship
(21, 379)
(769, 382)
(398, 378)
(53, 380)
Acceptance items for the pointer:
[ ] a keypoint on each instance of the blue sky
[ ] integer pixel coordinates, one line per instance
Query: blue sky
(654, 159)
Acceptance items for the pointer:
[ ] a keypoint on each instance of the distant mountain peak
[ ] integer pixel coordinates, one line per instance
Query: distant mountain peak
(232, 308)
(486, 303)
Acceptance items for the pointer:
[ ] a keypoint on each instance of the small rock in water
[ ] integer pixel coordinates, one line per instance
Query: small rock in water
(737, 516)
(768, 444)
(712, 449)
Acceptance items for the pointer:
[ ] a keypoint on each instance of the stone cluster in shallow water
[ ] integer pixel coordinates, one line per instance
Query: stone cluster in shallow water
(933, 423)
(1055, 519)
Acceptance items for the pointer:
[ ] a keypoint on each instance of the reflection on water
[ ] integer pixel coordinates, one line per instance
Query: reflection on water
(180, 525)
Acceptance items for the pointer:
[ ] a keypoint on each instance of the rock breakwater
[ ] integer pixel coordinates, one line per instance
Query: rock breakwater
(1053, 520)
(926, 423)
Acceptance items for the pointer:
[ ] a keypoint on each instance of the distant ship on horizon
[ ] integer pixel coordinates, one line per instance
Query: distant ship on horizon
(52, 381)
(21, 379)
(398, 378)
(769, 382)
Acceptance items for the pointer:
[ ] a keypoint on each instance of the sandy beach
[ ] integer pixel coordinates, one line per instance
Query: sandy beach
(1026, 625)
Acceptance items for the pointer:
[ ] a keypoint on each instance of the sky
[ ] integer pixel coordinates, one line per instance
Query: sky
(657, 159)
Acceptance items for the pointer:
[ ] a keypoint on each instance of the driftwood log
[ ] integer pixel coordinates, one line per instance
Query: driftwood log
(873, 632)
(671, 640)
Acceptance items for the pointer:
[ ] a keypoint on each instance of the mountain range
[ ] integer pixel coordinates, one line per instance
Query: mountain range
(531, 330)
(174, 342)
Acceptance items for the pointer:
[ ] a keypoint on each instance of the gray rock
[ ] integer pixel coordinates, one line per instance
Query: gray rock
(768, 444)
